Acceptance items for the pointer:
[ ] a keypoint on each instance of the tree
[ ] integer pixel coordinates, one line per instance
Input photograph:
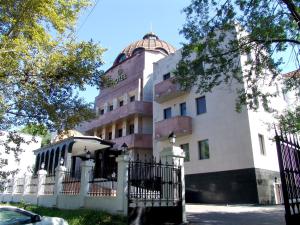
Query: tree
(42, 65)
(38, 130)
(263, 29)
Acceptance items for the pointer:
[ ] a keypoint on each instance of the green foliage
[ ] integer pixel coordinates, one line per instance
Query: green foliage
(38, 130)
(78, 217)
(290, 121)
(42, 66)
(220, 32)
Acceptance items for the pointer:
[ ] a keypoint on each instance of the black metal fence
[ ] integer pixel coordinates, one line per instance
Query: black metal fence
(71, 183)
(49, 184)
(288, 150)
(102, 186)
(154, 192)
(33, 185)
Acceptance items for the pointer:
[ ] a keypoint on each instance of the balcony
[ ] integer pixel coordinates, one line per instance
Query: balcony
(132, 108)
(167, 90)
(180, 125)
(135, 141)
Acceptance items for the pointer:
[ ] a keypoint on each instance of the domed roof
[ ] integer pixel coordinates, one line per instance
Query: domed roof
(150, 42)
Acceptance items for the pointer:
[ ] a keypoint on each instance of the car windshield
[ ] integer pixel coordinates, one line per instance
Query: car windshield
(11, 217)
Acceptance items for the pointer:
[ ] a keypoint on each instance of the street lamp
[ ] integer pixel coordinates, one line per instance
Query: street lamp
(43, 165)
(172, 138)
(88, 155)
(124, 147)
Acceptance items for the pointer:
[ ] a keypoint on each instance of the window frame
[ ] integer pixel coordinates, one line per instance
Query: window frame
(132, 98)
(167, 76)
(262, 145)
(121, 103)
(165, 113)
(200, 156)
(187, 152)
(181, 109)
(131, 128)
(199, 109)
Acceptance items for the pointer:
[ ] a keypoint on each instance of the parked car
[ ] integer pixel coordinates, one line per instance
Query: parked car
(10, 215)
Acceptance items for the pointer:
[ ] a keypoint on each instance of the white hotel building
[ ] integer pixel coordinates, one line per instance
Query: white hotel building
(230, 156)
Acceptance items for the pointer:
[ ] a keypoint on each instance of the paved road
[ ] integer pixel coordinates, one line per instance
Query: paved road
(235, 215)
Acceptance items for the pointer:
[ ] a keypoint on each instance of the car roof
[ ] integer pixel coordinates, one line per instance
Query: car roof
(16, 209)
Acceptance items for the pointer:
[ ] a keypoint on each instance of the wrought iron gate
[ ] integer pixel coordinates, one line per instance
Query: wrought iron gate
(154, 193)
(288, 150)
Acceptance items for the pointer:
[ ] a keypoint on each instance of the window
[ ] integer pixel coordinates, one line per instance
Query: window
(183, 109)
(109, 135)
(132, 98)
(131, 129)
(201, 105)
(185, 148)
(203, 149)
(166, 76)
(111, 108)
(167, 113)
(262, 144)
(120, 132)
(121, 103)
(101, 111)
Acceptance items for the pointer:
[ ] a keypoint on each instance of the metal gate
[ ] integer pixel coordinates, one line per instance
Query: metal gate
(288, 150)
(154, 193)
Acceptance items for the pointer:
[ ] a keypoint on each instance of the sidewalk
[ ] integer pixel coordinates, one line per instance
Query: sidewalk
(235, 215)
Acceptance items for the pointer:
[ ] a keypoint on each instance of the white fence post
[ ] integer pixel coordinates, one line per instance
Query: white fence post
(27, 179)
(122, 188)
(175, 154)
(59, 176)
(86, 167)
(41, 180)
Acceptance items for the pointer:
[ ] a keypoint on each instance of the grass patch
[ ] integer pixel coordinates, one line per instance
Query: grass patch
(77, 216)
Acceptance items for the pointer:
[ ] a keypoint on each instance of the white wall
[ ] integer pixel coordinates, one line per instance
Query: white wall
(150, 58)
(233, 137)
(27, 157)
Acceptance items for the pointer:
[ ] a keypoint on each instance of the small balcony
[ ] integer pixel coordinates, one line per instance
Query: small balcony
(180, 125)
(167, 90)
(143, 141)
(132, 108)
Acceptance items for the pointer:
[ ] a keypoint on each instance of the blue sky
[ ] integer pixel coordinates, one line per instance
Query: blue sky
(116, 23)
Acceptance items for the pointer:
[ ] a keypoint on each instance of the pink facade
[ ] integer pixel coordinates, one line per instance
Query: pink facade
(166, 90)
(180, 125)
(130, 109)
(140, 141)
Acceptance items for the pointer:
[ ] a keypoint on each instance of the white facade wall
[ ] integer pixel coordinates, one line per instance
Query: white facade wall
(150, 58)
(27, 157)
(233, 137)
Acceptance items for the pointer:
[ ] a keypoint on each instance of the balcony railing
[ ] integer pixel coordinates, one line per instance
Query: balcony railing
(180, 125)
(136, 107)
(167, 90)
(135, 140)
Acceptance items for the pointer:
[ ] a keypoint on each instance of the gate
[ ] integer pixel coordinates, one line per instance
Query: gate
(288, 150)
(154, 193)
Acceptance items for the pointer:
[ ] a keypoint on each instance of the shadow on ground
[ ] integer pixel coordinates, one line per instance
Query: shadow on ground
(271, 217)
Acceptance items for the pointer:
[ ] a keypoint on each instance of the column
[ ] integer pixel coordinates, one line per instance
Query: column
(126, 98)
(138, 129)
(139, 90)
(125, 128)
(104, 133)
(122, 188)
(27, 179)
(115, 103)
(86, 169)
(175, 154)
(105, 107)
(41, 180)
(113, 130)
(59, 176)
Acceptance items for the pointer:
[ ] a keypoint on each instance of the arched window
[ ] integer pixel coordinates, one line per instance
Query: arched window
(47, 161)
(162, 50)
(51, 161)
(63, 154)
(56, 158)
(121, 58)
(37, 163)
(42, 160)
(137, 51)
